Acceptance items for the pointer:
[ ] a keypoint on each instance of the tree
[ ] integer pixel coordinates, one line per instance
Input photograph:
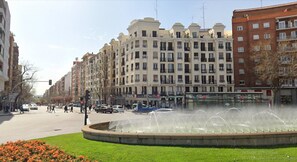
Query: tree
(23, 88)
(276, 67)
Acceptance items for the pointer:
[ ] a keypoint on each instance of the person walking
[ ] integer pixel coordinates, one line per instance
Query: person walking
(53, 109)
(65, 109)
(71, 108)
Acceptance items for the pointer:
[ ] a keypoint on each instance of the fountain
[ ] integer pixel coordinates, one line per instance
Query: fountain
(211, 127)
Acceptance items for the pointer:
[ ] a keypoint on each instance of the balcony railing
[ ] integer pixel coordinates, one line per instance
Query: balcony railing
(162, 59)
(229, 59)
(211, 59)
(203, 71)
(228, 48)
(162, 70)
(203, 60)
(188, 82)
(187, 60)
(212, 70)
(170, 70)
(187, 70)
(229, 71)
(170, 59)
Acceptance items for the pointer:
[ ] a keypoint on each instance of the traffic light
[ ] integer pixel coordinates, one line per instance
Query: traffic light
(50, 82)
(88, 95)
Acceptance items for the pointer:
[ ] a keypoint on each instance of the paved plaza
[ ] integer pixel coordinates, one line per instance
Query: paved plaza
(40, 123)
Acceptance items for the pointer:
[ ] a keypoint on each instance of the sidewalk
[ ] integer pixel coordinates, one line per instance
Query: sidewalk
(2, 113)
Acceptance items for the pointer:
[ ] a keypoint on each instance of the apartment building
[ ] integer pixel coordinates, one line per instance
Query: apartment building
(76, 80)
(13, 61)
(268, 27)
(154, 65)
(4, 43)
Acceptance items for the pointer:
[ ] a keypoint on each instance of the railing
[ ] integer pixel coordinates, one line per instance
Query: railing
(187, 71)
(212, 70)
(188, 82)
(229, 59)
(170, 70)
(162, 70)
(211, 49)
(229, 71)
(228, 48)
(211, 59)
(162, 59)
(187, 60)
(170, 59)
(203, 71)
(187, 48)
(203, 59)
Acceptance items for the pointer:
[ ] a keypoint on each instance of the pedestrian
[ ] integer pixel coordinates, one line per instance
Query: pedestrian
(71, 108)
(65, 109)
(90, 107)
(53, 108)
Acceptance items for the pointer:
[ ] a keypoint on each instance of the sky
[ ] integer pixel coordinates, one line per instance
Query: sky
(52, 33)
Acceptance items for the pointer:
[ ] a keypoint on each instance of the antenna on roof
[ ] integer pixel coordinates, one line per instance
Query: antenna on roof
(156, 9)
(203, 16)
(261, 3)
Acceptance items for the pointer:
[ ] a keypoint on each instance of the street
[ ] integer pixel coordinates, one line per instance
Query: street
(40, 123)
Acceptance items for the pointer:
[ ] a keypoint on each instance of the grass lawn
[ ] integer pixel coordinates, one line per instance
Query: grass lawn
(76, 145)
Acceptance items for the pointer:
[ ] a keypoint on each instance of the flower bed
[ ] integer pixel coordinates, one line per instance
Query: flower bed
(34, 151)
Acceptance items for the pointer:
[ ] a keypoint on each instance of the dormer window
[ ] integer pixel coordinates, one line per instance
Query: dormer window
(177, 34)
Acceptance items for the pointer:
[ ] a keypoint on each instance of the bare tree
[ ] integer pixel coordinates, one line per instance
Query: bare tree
(23, 88)
(276, 67)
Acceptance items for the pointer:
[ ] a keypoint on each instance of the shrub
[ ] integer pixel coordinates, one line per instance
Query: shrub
(34, 151)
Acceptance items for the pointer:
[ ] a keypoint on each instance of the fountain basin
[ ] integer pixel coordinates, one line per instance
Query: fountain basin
(101, 132)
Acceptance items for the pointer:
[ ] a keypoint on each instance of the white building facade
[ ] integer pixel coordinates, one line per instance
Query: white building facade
(4, 42)
(154, 65)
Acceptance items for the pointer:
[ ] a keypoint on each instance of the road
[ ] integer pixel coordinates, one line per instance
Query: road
(39, 123)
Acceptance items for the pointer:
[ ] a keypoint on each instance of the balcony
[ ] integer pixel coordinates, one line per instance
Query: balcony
(229, 70)
(170, 70)
(188, 82)
(228, 48)
(163, 94)
(170, 48)
(211, 59)
(123, 63)
(203, 49)
(203, 59)
(162, 70)
(187, 59)
(229, 59)
(170, 59)
(163, 48)
(196, 81)
(210, 49)
(187, 48)
(230, 81)
(122, 73)
(212, 70)
(187, 71)
(212, 82)
(162, 59)
(203, 71)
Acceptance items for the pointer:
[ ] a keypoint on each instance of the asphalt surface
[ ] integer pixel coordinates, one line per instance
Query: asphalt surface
(40, 123)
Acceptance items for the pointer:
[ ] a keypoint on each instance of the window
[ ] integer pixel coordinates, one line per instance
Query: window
(239, 28)
(267, 47)
(222, 80)
(144, 66)
(144, 43)
(221, 45)
(144, 33)
(180, 67)
(196, 78)
(179, 56)
(132, 56)
(137, 78)
(194, 35)
(256, 37)
(178, 35)
(221, 56)
(256, 48)
(282, 35)
(180, 78)
(255, 26)
(266, 25)
(155, 55)
(258, 82)
(196, 45)
(155, 78)
(282, 25)
(136, 54)
(220, 89)
(155, 66)
(241, 82)
(136, 43)
(239, 39)
(240, 49)
(179, 45)
(144, 77)
(137, 66)
(221, 67)
(196, 56)
(154, 33)
(241, 71)
(241, 60)
(144, 54)
(196, 67)
(155, 44)
(266, 36)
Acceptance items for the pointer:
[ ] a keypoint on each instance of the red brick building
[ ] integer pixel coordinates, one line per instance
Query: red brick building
(264, 26)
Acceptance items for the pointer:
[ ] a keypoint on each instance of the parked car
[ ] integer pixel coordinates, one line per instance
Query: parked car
(104, 109)
(33, 106)
(118, 108)
(25, 107)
